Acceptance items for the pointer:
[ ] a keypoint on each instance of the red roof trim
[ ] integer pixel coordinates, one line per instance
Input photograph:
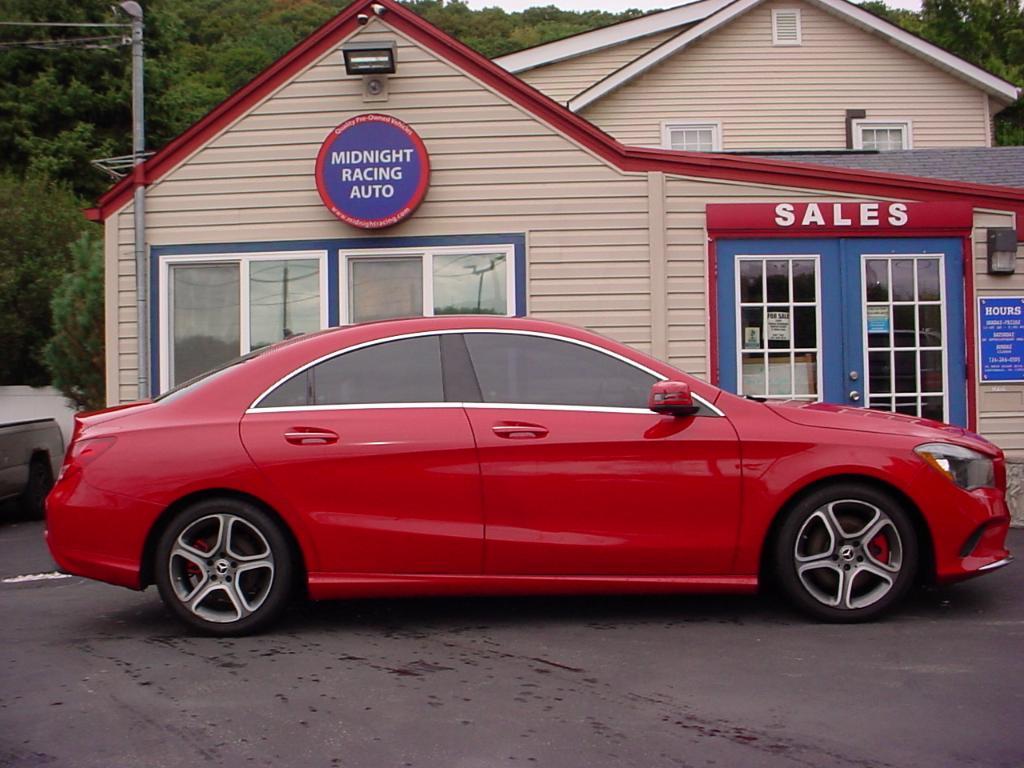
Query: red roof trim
(711, 166)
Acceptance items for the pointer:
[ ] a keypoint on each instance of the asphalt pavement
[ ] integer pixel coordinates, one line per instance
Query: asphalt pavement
(95, 675)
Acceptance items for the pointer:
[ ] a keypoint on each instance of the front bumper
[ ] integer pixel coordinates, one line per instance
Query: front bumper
(969, 532)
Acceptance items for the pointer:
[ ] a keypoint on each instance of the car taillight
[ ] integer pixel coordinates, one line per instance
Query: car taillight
(83, 452)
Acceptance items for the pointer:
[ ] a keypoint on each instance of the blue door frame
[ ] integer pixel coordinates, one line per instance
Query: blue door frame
(841, 308)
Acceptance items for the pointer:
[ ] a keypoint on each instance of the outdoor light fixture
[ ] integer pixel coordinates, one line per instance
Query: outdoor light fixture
(1002, 251)
(369, 58)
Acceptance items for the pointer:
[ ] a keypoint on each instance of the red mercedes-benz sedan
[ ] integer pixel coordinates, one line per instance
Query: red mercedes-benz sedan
(481, 455)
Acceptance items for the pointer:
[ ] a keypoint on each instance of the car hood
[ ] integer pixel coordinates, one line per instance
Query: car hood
(829, 416)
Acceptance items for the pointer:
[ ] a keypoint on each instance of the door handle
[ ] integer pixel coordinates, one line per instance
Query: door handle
(514, 431)
(311, 436)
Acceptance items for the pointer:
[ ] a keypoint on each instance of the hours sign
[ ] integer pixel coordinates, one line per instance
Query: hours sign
(372, 171)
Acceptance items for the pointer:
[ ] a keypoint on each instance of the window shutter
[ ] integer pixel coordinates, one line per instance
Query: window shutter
(786, 27)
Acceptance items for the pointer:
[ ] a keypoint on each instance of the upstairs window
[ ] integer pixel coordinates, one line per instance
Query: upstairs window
(881, 136)
(786, 26)
(704, 136)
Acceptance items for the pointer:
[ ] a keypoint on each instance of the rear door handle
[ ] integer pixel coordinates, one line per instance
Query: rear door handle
(311, 436)
(517, 431)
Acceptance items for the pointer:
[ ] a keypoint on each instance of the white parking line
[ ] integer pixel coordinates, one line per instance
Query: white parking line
(36, 577)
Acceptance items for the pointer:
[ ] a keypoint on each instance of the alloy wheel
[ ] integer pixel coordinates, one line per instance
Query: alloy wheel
(221, 568)
(848, 554)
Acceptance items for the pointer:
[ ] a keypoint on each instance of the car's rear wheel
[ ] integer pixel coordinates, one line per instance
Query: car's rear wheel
(40, 481)
(224, 567)
(846, 552)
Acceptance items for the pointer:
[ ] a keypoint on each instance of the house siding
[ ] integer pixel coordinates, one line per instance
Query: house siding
(564, 79)
(794, 97)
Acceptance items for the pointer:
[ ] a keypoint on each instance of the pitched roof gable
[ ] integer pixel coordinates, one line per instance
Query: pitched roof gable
(633, 159)
(605, 37)
(708, 15)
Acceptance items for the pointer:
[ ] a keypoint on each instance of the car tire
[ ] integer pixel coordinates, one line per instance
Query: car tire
(40, 481)
(846, 552)
(224, 567)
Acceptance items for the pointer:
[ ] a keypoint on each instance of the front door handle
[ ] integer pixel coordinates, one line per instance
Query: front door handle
(519, 430)
(310, 436)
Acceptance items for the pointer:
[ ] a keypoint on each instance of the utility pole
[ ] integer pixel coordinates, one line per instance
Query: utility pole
(134, 12)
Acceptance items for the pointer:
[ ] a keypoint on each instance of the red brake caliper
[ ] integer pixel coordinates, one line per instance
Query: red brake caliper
(191, 568)
(879, 548)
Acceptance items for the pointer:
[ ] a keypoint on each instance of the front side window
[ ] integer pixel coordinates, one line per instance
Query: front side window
(882, 137)
(693, 137)
(536, 370)
(432, 281)
(400, 371)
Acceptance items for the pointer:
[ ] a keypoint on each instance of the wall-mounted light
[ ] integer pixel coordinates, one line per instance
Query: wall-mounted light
(369, 57)
(1002, 251)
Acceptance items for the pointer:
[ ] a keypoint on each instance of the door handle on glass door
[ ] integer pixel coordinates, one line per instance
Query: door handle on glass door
(514, 431)
(311, 436)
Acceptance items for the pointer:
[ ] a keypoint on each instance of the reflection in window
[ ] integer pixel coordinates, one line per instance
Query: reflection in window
(470, 284)
(284, 299)
(205, 326)
(380, 288)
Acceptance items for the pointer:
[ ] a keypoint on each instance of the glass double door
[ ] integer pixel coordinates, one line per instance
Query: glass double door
(864, 322)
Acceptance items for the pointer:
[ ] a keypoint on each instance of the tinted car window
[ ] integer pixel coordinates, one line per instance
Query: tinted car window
(403, 371)
(541, 371)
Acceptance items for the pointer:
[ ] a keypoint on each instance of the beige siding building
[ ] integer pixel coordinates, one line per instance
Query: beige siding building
(732, 269)
(774, 75)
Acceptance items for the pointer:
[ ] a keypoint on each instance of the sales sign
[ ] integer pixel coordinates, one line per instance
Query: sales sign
(372, 171)
(1001, 332)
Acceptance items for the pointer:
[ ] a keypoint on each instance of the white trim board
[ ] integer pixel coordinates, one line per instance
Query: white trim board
(606, 37)
(997, 87)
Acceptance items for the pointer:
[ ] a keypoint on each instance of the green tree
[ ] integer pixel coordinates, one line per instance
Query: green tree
(74, 355)
(38, 220)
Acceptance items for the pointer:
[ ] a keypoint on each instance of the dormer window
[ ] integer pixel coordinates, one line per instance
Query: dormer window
(786, 26)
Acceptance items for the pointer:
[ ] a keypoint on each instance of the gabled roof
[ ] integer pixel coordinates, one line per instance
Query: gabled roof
(611, 35)
(633, 159)
(712, 14)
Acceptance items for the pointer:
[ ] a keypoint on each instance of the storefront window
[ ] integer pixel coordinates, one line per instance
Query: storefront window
(439, 281)
(284, 299)
(204, 318)
(220, 307)
(380, 288)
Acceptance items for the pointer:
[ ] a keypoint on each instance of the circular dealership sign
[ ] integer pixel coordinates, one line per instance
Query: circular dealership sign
(372, 171)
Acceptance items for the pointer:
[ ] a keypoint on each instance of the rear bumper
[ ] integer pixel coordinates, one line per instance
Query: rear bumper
(97, 534)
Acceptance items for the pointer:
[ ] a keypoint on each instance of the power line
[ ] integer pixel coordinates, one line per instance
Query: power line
(106, 41)
(65, 24)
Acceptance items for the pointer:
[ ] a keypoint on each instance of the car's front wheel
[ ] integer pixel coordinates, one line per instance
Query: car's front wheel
(846, 552)
(223, 566)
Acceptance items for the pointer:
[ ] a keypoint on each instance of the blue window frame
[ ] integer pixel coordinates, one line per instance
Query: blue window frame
(333, 256)
(890, 322)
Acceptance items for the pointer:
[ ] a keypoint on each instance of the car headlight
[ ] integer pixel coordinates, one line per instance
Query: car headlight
(968, 469)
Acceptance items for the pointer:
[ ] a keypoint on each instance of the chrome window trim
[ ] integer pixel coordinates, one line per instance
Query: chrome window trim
(254, 406)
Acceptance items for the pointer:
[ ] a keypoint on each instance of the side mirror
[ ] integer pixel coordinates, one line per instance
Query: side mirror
(672, 398)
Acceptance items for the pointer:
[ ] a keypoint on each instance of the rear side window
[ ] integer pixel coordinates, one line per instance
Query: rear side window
(539, 371)
(402, 371)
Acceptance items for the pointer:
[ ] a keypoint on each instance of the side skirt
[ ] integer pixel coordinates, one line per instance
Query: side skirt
(326, 586)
